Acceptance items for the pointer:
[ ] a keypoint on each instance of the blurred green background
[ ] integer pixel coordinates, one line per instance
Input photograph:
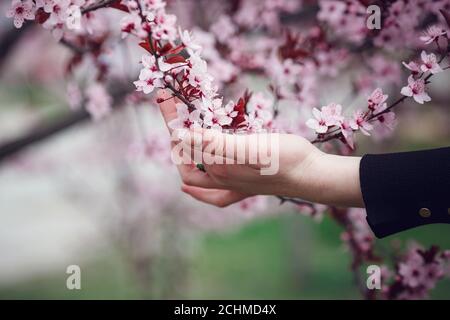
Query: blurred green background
(257, 261)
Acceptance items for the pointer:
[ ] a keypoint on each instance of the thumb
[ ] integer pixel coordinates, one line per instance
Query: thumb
(167, 106)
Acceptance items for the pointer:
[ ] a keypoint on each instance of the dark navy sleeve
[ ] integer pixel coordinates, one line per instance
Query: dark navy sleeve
(406, 190)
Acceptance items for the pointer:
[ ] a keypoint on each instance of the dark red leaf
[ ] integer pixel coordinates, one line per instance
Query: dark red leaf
(146, 45)
(176, 50)
(292, 47)
(119, 6)
(41, 16)
(165, 49)
(241, 108)
(175, 59)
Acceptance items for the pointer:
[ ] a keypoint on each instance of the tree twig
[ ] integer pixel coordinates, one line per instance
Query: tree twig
(99, 5)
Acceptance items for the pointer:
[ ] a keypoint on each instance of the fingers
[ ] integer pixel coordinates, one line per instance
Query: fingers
(217, 147)
(192, 176)
(217, 197)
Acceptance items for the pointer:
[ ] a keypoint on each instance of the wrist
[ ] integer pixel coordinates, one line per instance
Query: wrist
(329, 179)
(339, 183)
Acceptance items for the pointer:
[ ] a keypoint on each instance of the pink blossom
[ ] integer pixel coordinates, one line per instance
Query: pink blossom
(98, 101)
(420, 270)
(286, 71)
(430, 63)
(150, 77)
(223, 28)
(376, 98)
(329, 115)
(384, 123)
(185, 119)
(432, 273)
(223, 71)
(132, 23)
(164, 26)
(385, 71)
(359, 231)
(331, 10)
(164, 66)
(359, 122)
(57, 10)
(413, 67)
(198, 74)
(330, 61)
(94, 23)
(332, 114)
(412, 274)
(229, 109)
(214, 115)
(155, 147)
(347, 18)
(39, 3)
(20, 10)
(252, 204)
(387, 37)
(73, 20)
(388, 120)
(253, 122)
(432, 34)
(347, 132)
(188, 41)
(319, 123)
(416, 89)
(264, 13)
(149, 62)
(400, 25)
(262, 106)
(148, 81)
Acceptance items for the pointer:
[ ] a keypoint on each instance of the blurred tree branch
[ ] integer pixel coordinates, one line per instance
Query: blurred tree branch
(43, 131)
(9, 39)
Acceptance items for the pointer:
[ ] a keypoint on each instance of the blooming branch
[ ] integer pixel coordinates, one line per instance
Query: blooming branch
(334, 126)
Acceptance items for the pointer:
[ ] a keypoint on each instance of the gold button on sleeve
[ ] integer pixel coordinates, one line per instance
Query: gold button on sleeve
(425, 212)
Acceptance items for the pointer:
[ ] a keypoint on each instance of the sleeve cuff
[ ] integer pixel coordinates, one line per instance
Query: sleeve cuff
(405, 190)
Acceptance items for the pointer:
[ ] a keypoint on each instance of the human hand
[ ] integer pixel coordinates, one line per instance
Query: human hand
(298, 168)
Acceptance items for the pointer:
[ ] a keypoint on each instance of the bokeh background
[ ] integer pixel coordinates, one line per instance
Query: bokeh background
(86, 196)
